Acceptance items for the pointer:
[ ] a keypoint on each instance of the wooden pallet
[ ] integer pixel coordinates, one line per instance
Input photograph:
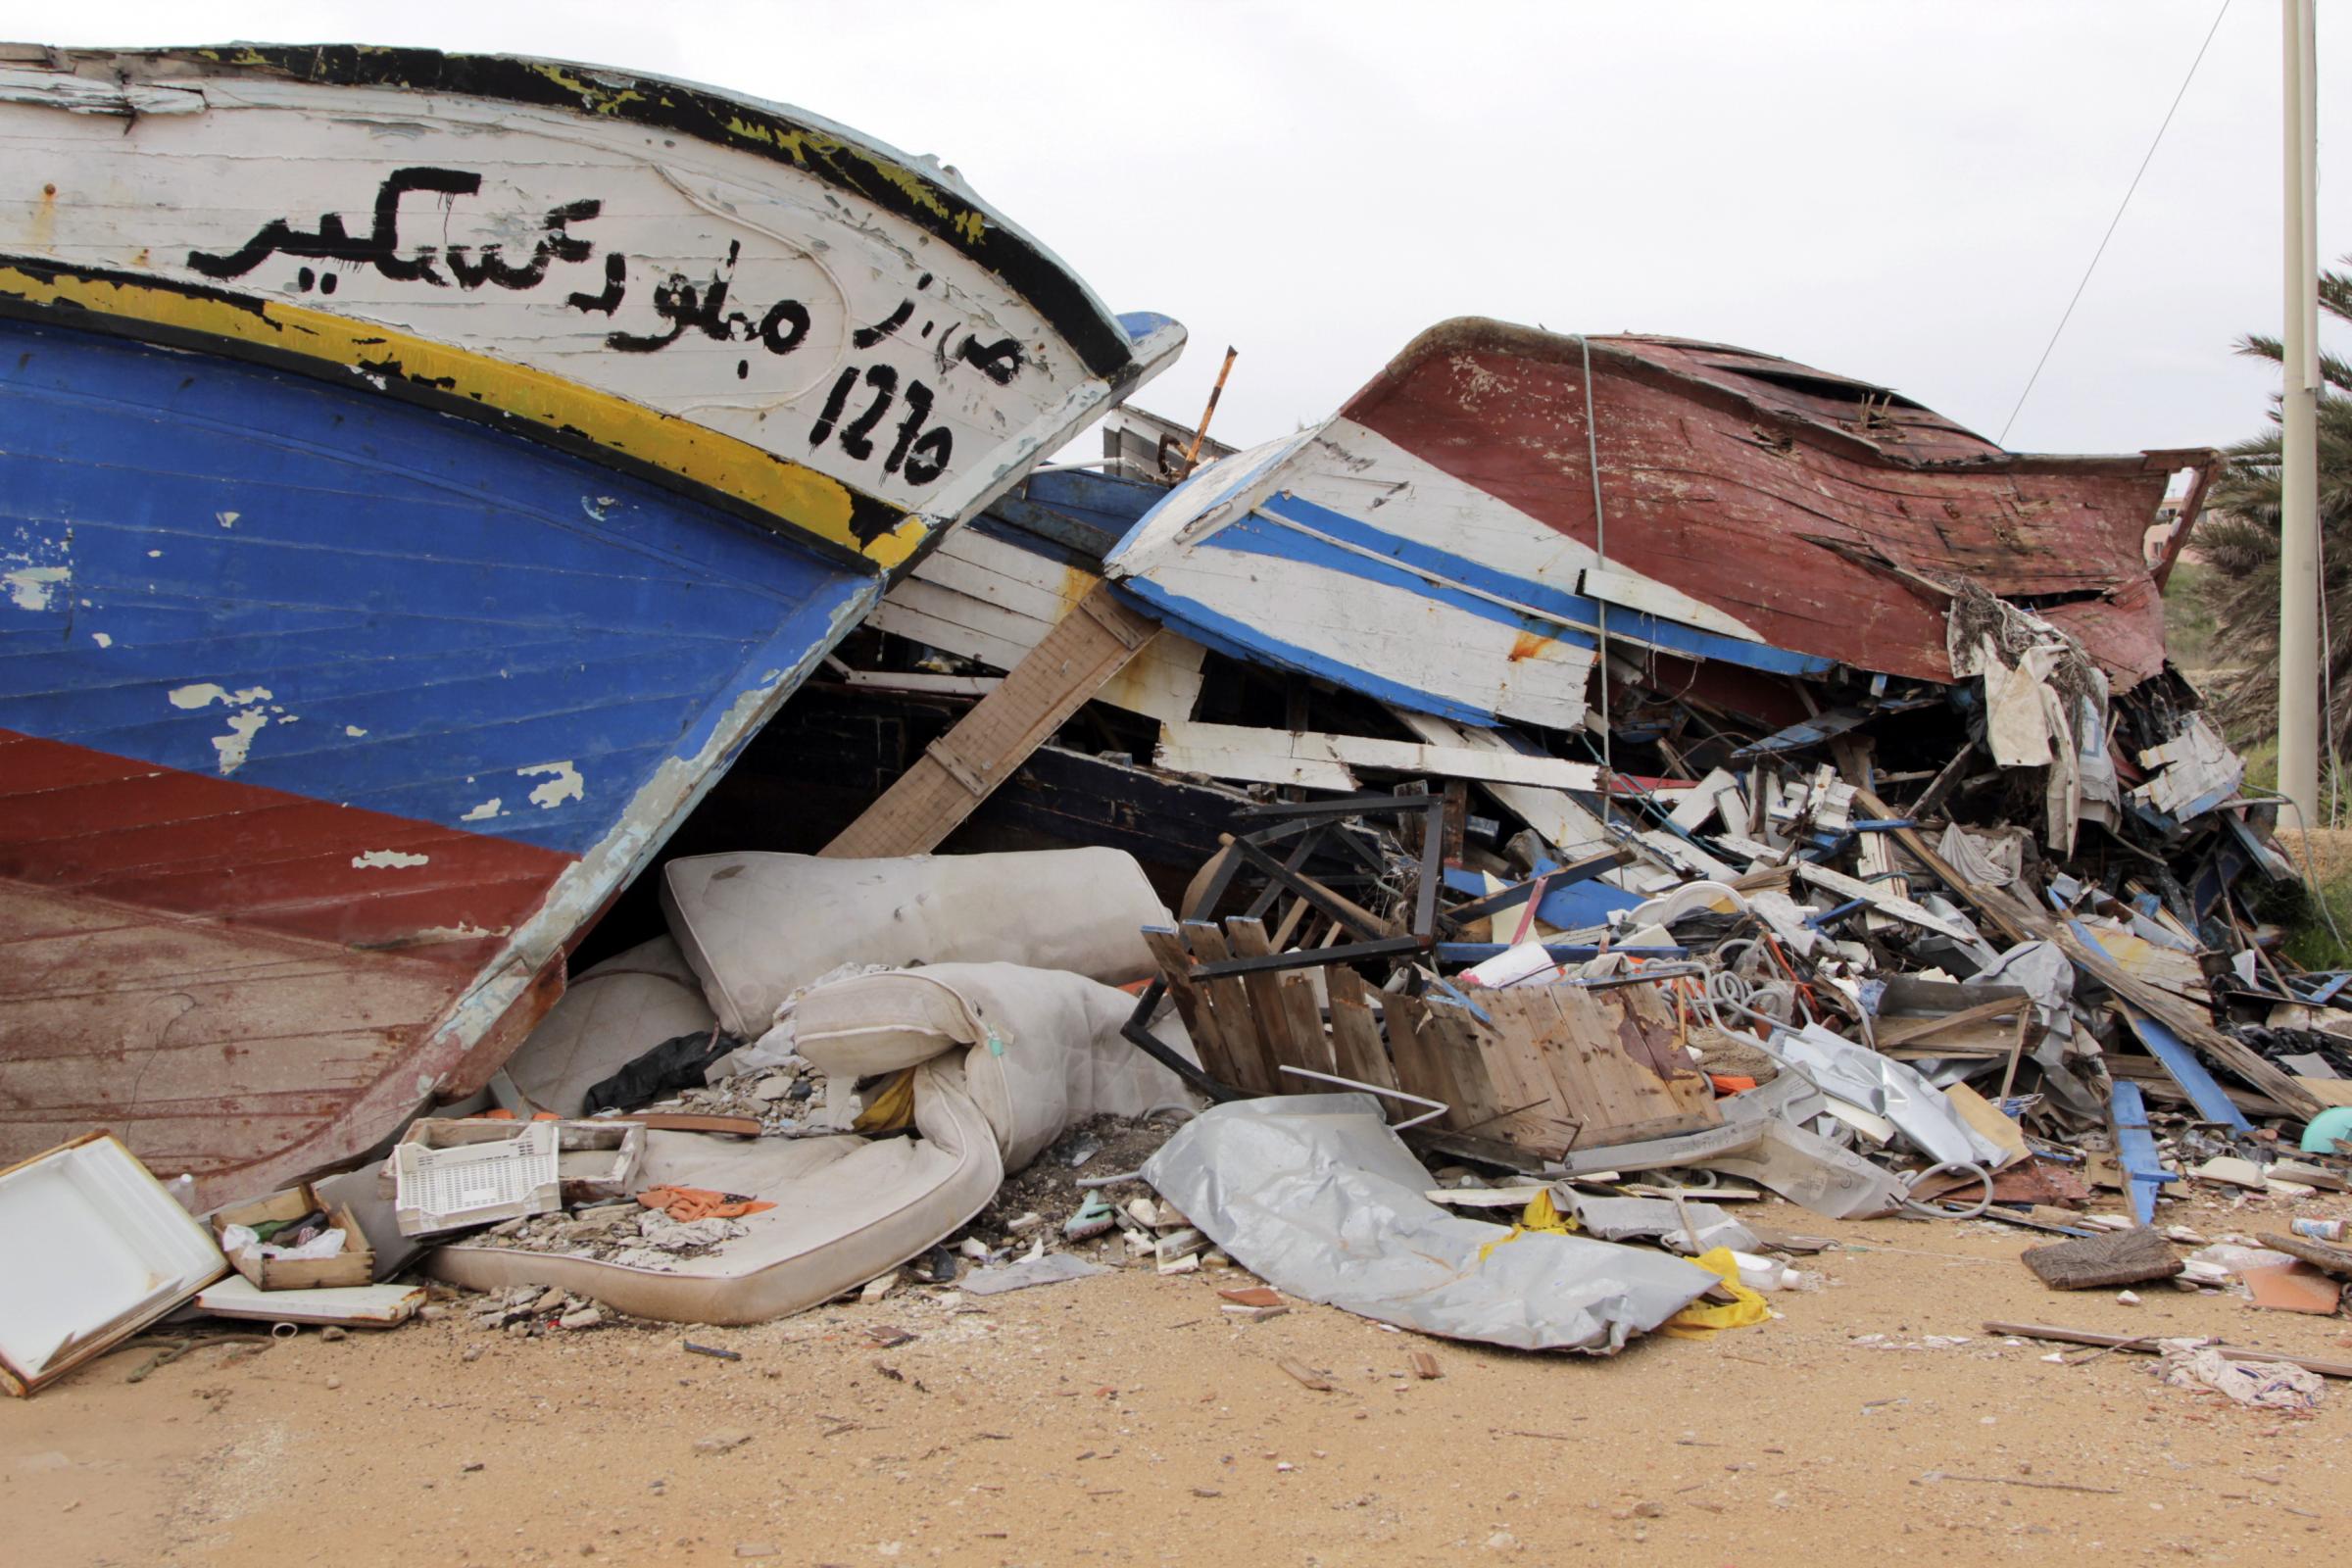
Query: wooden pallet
(1537, 1068)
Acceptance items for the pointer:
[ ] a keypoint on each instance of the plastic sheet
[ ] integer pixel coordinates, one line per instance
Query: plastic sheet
(1317, 1196)
(1889, 1089)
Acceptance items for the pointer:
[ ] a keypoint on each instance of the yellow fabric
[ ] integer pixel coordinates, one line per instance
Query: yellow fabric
(1541, 1214)
(1700, 1321)
(890, 1108)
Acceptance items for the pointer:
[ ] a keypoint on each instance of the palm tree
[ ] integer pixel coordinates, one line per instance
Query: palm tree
(2240, 538)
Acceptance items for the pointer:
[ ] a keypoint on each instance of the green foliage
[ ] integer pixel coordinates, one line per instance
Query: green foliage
(2238, 538)
(2188, 619)
(2311, 941)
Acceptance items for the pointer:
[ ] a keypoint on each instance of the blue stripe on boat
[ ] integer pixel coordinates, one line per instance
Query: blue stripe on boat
(433, 608)
(1564, 608)
(1250, 645)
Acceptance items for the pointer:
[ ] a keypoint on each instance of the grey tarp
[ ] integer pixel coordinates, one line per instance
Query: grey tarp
(1317, 1196)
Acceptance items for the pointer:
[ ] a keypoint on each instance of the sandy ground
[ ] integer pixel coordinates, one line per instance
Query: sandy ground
(1123, 1419)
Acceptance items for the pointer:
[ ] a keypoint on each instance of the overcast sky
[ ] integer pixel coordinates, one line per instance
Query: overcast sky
(1902, 192)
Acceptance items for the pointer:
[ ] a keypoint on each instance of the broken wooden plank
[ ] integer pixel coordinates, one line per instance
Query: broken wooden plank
(1889, 1032)
(1884, 900)
(1244, 1046)
(1193, 1005)
(2149, 1345)
(1697, 808)
(1276, 757)
(1355, 1032)
(959, 770)
(1309, 1046)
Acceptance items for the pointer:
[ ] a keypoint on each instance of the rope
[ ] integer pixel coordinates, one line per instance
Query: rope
(1600, 552)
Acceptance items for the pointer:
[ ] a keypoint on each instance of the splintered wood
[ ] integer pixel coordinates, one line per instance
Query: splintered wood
(1552, 1068)
(1540, 1068)
(989, 744)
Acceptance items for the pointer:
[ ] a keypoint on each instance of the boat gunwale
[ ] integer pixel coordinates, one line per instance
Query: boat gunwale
(824, 149)
(1622, 354)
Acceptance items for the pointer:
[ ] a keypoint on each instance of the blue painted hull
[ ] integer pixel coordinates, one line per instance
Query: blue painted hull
(326, 722)
(434, 609)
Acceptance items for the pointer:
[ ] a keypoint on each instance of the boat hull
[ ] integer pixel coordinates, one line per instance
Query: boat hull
(1437, 541)
(324, 722)
(420, 474)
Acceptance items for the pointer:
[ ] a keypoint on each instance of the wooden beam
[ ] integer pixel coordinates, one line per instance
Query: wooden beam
(1306, 757)
(989, 744)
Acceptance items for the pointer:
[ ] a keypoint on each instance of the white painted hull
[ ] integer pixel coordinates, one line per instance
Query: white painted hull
(1344, 556)
(732, 290)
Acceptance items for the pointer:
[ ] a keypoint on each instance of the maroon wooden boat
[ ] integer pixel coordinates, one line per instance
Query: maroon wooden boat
(1437, 543)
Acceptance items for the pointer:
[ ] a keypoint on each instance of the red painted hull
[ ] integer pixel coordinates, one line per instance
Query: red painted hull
(1817, 511)
(199, 964)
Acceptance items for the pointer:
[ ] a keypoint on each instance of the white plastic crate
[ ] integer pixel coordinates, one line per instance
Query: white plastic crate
(443, 1189)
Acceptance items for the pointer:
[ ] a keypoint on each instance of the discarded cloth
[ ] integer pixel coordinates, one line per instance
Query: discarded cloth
(1315, 1196)
(686, 1204)
(1987, 859)
(1539, 1217)
(678, 1062)
(2257, 1385)
(1702, 1321)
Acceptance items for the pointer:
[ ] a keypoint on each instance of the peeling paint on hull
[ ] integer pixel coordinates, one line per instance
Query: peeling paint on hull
(399, 533)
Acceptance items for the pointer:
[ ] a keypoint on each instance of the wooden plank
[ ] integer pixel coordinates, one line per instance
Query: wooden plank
(1611, 1055)
(1446, 1027)
(1418, 1049)
(1236, 1021)
(1903, 1031)
(1355, 1032)
(1246, 938)
(2146, 1344)
(1527, 1112)
(959, 770)
(1236, 1012)
(1253, 755)
(1697, 808)
(1309, 1046)
(1200, 1020)
(1180, 742)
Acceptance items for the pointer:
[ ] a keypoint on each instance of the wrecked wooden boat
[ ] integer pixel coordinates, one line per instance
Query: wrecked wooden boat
(1453, 539)
(420, 474)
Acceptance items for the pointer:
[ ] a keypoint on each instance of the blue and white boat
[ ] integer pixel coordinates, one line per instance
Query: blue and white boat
(418, 475)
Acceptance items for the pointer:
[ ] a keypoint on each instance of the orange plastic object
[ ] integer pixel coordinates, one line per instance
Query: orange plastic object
(686, 1204)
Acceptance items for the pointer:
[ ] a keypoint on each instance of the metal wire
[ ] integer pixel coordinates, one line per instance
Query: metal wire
(2113, 221)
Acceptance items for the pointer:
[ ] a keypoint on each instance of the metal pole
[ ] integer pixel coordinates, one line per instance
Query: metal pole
(2299, 397)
